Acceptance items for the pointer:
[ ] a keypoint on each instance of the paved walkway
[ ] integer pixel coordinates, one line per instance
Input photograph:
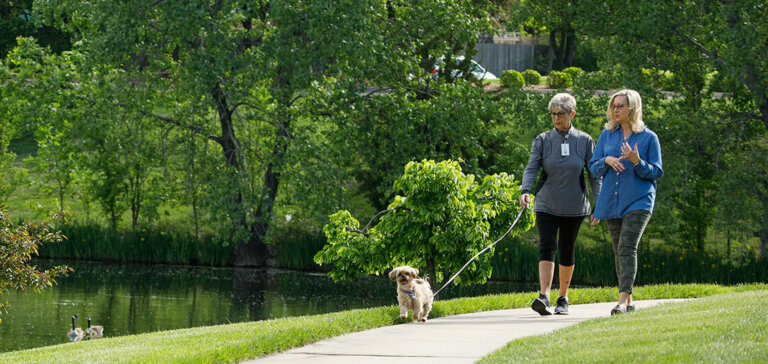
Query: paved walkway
(445, 340)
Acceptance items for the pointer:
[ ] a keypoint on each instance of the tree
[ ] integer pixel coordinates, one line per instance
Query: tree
(442, 219)
(241, 74)
(17, 245)
(692, 39)
(555, 18)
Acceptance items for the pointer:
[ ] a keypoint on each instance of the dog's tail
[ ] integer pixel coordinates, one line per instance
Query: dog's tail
(424, 280)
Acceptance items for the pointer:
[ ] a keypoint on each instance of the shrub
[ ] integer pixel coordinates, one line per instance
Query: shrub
(559, 79)
(575, 72)
(531, 77)
(512, 79)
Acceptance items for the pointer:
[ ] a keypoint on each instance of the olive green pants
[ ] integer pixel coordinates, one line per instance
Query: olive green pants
(625, 238)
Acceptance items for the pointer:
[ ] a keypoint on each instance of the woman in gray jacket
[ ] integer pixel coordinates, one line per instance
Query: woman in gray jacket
(562, 202)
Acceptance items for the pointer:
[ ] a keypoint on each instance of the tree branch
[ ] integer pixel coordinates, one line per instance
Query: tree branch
(165, 119)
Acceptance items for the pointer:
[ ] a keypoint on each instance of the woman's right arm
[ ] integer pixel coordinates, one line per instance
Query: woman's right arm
(530, 172)
(597, 165)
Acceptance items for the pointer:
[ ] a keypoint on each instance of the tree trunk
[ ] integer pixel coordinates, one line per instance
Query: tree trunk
(252, 252)
(432, 273)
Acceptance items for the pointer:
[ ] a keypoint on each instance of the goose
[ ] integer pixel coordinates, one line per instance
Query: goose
(94, 332)
(76, 333)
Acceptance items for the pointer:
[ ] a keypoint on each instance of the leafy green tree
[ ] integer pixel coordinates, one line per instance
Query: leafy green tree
(555, 19)
(441, 220)
(18, 243)
(242, 75)
(691, 40)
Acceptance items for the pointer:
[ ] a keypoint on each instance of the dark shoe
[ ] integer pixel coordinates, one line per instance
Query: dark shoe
(541, 305)
(630, 308)
(617, 310)
(562, 306)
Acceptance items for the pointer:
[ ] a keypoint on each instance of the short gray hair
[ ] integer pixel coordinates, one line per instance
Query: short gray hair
(563, 101)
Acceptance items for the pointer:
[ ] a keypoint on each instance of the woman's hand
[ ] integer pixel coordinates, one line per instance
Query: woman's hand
(593, 220)
(525, 200)
(615, 163)
(630, 154)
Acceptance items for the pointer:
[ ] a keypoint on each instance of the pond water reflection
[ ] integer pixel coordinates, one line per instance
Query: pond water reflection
(131, 299)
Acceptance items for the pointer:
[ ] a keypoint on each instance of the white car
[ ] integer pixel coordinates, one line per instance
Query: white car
(477, 70)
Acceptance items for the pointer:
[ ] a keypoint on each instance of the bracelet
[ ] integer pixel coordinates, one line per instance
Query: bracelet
(638, 162)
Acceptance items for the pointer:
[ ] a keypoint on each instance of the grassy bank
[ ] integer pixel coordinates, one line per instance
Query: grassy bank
(727, 328)
(236, 342)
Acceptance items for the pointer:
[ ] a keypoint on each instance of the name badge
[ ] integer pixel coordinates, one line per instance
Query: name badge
(564, 150)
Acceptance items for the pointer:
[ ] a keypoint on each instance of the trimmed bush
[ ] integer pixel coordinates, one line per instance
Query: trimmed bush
(531, 77)
(559, 79)
(512, 79)
(575, 72)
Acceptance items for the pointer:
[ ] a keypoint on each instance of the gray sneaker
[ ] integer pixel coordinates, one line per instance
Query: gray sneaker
(562, 306)
(541, 305)
(630, 308)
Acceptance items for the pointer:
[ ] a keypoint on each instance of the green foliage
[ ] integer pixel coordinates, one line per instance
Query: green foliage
(575, 72)
(663, 80)
(560, 80)
(221, 106)
(151, 246)
(512, 79)
(442, 219)
(531, 77)
(18, 243)
(18, 20)
(457, 121)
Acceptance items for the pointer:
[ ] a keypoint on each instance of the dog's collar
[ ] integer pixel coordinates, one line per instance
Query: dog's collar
(410, 292)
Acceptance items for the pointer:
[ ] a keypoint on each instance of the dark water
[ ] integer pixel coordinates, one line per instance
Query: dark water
(131, 299)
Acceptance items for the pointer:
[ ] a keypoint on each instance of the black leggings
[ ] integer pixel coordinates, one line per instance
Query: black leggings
(548, 237)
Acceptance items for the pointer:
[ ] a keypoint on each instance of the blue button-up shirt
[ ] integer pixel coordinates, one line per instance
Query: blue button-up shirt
(635, 187)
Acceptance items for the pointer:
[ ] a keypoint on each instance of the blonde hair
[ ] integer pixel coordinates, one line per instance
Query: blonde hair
(635, 105)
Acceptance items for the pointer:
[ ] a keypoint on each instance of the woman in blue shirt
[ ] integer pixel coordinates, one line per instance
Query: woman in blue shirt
(628, 157)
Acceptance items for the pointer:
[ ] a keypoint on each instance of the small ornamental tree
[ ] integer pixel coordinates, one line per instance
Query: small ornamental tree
(17, 245)
(441, 220)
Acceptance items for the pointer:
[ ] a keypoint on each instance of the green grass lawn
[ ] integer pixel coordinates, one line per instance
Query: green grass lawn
(237, 342)
(730, 328)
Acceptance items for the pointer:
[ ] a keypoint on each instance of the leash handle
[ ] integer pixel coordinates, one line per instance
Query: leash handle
(481, 252)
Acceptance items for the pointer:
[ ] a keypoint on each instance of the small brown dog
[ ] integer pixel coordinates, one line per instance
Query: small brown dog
(413, 293)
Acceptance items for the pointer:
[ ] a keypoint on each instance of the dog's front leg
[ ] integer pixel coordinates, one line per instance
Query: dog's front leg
(403, 312)
(417, 311)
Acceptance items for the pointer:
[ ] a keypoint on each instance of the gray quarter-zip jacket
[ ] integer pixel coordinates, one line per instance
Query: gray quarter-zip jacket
(564, 192)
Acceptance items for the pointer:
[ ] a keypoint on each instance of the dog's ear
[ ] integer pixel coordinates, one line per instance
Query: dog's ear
(393, 274)
(415, 272)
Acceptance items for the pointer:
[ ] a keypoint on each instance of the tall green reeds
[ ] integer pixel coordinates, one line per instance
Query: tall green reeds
(517, 260)
(297, 248)
(95, 242)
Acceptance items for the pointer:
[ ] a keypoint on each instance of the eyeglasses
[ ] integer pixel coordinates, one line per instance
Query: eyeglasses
(619, 106)
(557, 114)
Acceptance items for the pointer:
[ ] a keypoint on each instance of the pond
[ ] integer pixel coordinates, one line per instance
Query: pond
(132, 299)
